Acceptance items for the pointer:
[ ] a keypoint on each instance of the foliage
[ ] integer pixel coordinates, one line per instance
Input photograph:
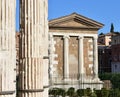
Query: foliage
(71, 91)
(93, 94)
(113, 77)
(112, 28)
(101, 33)
(114, 93)
(62, 92)
(54, 92)
(80, 92)
(105, 76)
(98, 93)
(104, 92)
(88, 92)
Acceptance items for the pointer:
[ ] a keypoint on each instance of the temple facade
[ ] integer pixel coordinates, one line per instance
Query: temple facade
(73, 52)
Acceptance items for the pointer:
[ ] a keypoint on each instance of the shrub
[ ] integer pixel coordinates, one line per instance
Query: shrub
(113, 77)
(104, 92)
(53, 92)
(71, 91)
(80, 92)
(62, 92)
(114, 93)
(88, 92)
(98, 93)
(93, 94)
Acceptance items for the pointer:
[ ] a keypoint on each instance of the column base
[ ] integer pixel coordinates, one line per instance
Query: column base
(66, 79)
(79, 84)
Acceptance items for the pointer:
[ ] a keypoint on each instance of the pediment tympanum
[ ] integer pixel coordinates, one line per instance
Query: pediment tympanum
(74, 20)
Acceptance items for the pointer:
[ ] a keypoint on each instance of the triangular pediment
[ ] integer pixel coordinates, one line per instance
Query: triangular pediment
(75, 21)
(70, 23)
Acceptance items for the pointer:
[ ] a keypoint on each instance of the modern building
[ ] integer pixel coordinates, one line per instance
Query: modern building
(105, 39)
(105, 52)
(115, 54)
(73, 52)
(104, 59)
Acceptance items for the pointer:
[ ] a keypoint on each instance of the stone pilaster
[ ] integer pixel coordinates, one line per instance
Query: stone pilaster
(81, 57)
(7, 48)
(66, 57)
(33, 72)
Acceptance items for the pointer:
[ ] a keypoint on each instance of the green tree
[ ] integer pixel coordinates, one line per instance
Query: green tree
(101, 33)
(115, 79)
(112, 28)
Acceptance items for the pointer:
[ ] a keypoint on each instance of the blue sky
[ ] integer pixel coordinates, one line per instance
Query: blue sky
(103, 11)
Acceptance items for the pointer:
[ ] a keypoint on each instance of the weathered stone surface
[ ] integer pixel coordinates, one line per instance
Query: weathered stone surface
(7, 48)
(33, 69)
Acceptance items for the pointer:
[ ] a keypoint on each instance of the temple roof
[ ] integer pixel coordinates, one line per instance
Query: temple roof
(76, 21)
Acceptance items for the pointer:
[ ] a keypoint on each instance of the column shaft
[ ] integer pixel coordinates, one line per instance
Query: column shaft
(81, 57)
(7, 48)
(34, 46)
(95, 57)
(66, 57)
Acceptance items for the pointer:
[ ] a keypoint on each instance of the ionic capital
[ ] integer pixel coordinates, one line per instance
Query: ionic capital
(95, 38)
(80, 37)
(66, 37)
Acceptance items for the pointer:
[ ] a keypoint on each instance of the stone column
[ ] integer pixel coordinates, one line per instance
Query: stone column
(81, 58)
(95, 57)
(33, 69)
(7, 48)
(45, 48)
(66, 57)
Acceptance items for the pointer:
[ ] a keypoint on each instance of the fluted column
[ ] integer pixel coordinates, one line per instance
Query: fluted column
(95, 57)
(66, 57)
(7, 48)
(33, 75)
(81, 57)
(45, 47)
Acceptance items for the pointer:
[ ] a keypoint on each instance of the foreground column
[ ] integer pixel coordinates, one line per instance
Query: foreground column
(45, 47)
(33, 76)
(7, 48)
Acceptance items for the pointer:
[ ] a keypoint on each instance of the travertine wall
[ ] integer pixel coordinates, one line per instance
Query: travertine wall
(7, 48)
(88, 56)
(59, 52)
(33, 69)
(73, 57)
